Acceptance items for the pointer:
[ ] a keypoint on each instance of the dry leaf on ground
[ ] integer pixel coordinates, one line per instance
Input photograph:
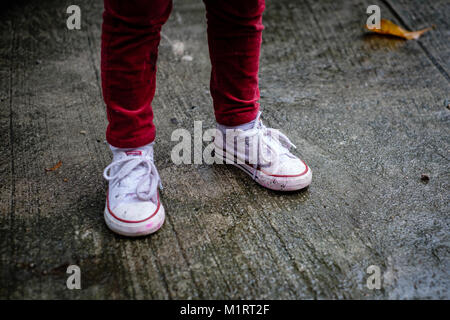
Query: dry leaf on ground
(390, 28)
(56, 166)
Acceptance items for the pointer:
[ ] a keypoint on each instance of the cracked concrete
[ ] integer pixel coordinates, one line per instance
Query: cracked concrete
(370, 114)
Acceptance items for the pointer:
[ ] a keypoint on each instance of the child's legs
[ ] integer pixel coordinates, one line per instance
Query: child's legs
(234, 37)
(130, 38)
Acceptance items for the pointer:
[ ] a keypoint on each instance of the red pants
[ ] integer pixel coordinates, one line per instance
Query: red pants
(130, 38)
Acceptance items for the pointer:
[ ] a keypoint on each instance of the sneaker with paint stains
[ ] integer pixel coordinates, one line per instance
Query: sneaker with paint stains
(264, 154)
(133, 207)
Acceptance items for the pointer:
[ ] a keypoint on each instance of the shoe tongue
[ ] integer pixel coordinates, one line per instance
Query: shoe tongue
(135, 153)
(138, 172)
(122, 154)
(127, 154)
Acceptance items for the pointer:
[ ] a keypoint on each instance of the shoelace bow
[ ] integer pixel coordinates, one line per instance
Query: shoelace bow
(276, 142)
(147, 186)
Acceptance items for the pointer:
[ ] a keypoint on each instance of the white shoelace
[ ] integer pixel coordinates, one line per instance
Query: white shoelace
(273, 139)
(147, 187)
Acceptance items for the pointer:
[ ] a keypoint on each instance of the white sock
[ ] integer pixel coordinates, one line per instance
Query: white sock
(244, 126)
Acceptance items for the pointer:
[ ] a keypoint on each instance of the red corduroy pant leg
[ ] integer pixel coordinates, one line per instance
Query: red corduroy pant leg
(130, 39)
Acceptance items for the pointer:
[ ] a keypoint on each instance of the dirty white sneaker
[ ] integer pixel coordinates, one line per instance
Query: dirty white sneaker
(264, 154)
(133, 207)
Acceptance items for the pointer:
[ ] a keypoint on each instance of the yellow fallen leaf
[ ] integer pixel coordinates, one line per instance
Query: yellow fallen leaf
(56, 166)
(390, 28)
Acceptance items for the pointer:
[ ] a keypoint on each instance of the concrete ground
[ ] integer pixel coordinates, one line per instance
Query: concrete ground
(369, 113)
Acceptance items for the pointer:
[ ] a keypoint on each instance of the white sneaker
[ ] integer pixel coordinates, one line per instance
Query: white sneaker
(133, 207)
(263, 153)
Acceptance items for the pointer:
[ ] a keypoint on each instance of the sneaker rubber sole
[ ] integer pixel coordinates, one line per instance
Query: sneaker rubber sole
(273, 182)
(135, 229)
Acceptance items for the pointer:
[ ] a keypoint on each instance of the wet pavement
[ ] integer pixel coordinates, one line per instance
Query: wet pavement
(370, 114)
